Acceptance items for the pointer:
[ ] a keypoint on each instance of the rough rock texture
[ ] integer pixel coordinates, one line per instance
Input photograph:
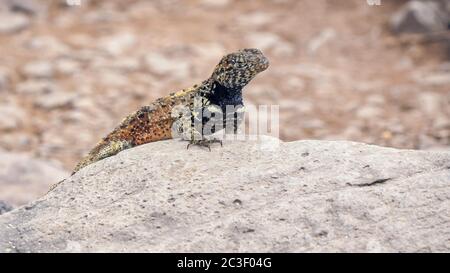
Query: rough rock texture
(246, 196)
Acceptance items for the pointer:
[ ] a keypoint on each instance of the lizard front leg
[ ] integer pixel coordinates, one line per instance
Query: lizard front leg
(192, 132)
(205, 143)
(196, 138)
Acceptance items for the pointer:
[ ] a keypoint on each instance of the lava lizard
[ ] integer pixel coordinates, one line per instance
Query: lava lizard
(159, 121)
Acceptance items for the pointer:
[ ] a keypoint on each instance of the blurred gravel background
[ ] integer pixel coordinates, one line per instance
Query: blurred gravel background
(340, 69)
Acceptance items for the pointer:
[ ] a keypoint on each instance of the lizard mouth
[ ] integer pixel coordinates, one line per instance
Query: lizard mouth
(258, 59)
(264, 63)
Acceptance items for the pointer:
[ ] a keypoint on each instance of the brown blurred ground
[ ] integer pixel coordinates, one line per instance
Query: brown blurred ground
(336, 70)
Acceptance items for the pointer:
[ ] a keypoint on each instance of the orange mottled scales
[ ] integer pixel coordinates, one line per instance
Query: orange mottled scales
(148, 124)
(158, 121)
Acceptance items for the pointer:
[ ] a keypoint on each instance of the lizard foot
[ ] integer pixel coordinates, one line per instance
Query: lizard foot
(205, 143)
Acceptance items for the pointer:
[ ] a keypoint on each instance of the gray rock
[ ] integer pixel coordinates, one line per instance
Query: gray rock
(47, 45)
(369, 112)
(73, 3)
(38, 69)
(24, 178)
(420, 17)
(436, 79)
(112, 78)
(4, 79)
(120, 64)
(118, 43)
(11, 116)
(126, 64)
(271, 42)
(55, 100)
(255, 19)
(261, 196)
(321, 39)
(11, 23)
(429, 102)
(4, 207)
(163, 65)
(67, 66)
(30, 7)
(36, 87)
(215, 3)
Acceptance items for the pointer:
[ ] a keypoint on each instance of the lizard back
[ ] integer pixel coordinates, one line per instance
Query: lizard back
(148, 124)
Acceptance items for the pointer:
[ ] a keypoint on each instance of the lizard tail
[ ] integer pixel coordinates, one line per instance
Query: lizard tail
(103, 150)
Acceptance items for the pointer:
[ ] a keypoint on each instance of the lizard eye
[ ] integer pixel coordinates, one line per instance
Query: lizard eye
(239, 63)
(238, 60)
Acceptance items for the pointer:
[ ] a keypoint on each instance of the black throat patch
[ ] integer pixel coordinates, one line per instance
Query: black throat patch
(223, 96)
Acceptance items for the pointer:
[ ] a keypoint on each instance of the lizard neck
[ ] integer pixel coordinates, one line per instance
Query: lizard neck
(223, 96)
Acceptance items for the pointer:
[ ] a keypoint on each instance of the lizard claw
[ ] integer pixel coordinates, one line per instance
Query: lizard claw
(204, 143)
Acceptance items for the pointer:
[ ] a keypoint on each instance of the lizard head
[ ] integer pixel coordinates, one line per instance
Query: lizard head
(237, 69)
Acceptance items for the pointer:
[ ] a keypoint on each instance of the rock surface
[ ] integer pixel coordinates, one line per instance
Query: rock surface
(246, 196)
